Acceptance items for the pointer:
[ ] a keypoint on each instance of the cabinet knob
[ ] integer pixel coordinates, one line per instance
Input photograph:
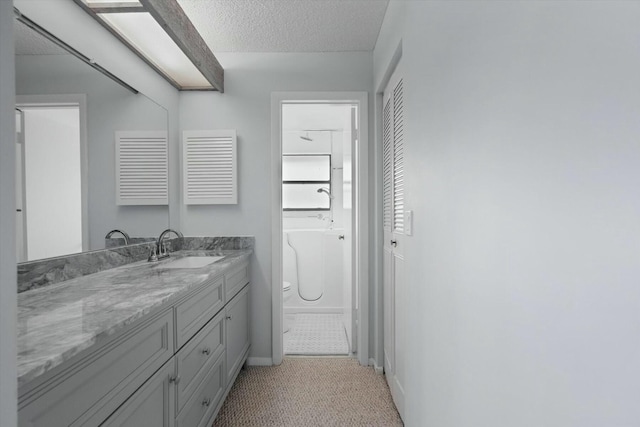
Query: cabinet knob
(229, 317)
(206, 351)
(175, 379)
(394, 243)
(341, 237)
(206, 402)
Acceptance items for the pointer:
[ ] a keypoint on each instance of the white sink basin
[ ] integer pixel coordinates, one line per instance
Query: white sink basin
(192, 262)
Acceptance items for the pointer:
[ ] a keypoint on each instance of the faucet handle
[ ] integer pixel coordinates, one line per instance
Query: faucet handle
(153, 256)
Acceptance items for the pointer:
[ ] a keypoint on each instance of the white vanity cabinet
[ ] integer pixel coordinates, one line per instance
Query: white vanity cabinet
(172, 367)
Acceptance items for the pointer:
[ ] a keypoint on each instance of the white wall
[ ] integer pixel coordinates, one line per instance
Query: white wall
(249, 80)
(52, 181)
(8, 289)
(523, 169)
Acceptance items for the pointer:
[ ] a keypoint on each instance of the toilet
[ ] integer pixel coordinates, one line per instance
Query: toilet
(286, 295)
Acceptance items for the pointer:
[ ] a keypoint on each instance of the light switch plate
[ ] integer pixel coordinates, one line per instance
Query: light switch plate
(408, 220)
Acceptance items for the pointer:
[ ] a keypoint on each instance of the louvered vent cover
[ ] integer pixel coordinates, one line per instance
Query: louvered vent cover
(210, 167)
(142, 168)
(387, 166)
(398, 159)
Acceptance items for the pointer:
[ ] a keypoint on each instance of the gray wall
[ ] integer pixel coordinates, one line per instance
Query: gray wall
(246, 106)
(523, 169)
(8, 373)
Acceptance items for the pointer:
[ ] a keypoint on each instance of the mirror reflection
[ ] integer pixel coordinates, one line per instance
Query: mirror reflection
(67, 118)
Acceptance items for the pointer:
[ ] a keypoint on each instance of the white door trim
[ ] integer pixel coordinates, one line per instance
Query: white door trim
(361, 224)
(81, 101)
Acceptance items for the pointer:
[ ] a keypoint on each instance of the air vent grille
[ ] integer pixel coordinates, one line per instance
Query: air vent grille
(210, 167)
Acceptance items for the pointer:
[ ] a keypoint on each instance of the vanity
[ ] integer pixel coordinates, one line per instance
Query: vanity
(106, 338)
(144, 344)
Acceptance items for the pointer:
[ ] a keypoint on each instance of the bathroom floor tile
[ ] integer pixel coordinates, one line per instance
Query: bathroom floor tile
(316, 334)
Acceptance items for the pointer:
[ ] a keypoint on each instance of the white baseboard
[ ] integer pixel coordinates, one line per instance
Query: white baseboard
(259, 361)
(378, 369)
(321, 310)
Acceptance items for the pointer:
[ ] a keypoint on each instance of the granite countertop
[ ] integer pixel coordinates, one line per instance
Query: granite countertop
(59, 321)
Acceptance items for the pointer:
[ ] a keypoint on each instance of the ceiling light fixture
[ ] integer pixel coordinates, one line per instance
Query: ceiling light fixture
(49, 36)
(162, 35)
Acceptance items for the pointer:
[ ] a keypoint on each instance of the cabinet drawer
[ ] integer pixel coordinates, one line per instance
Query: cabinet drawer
(235, 280)
(196, 310)
(96, 385)
(203, 403)
(196, 357)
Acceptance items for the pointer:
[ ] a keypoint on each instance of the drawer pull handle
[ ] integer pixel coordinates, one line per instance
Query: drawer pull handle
(175, 379)
(206, 351)
(206, 402)
(229, 317)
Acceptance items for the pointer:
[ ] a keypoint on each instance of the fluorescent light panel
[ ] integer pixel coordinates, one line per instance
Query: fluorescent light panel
(101, 2)
(148, 37)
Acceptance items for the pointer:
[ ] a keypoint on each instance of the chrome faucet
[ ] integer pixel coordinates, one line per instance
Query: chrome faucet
(326, 191)
(161, 251)
(125, 235)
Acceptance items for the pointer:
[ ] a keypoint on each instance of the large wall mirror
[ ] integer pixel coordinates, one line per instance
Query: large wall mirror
(67, 116)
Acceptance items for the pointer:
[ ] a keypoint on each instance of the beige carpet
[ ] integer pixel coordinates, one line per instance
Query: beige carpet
(322, 391)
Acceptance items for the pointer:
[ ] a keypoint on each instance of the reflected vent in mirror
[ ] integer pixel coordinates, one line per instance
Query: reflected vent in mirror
(142, 168)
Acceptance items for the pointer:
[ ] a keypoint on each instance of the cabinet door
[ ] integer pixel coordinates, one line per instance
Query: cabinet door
(237, 328)
(150, 406)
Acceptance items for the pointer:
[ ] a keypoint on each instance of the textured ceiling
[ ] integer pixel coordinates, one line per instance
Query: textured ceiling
(28, 42)
(287, 25)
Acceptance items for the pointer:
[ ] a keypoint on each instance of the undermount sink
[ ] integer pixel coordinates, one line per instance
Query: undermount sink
(192, 262)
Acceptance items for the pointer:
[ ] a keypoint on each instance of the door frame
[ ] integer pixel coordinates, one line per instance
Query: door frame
(361, 214)
(79, 100)
(20, 170)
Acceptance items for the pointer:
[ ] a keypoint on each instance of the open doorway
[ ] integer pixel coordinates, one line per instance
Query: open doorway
(317, 215)
(319, 225)
(49, 168)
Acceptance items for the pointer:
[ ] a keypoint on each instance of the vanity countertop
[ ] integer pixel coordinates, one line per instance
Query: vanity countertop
(59, 321)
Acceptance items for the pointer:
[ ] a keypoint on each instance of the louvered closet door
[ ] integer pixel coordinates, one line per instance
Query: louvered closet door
(393, 225)
(210, 167)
